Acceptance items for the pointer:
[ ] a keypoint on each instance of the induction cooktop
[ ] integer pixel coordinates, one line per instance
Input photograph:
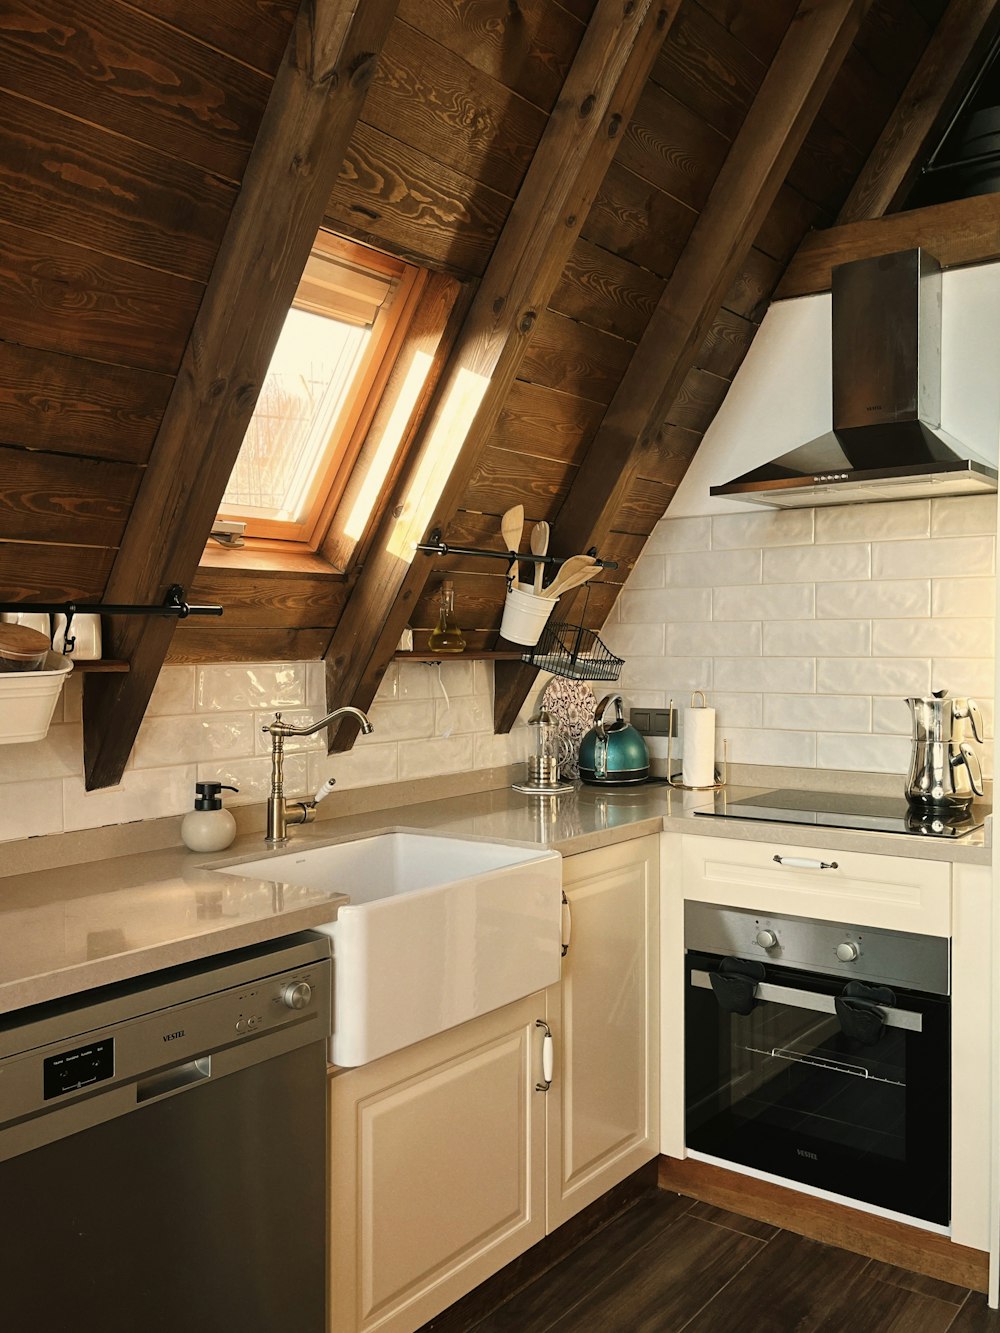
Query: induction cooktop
(877, 814)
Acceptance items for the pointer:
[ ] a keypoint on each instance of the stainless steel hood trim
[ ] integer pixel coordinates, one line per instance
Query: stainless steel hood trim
(875, 485)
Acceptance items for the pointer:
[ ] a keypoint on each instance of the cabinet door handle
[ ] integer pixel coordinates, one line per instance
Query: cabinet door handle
(805, 863)
(567, 924)
(548, 1057)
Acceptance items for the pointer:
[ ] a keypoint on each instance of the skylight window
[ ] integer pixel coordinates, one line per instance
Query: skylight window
(321, 388)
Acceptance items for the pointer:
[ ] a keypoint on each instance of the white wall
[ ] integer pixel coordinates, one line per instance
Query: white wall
(204, 723)
(807, 628)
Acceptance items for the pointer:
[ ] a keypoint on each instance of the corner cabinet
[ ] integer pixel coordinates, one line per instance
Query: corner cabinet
(450, 1158)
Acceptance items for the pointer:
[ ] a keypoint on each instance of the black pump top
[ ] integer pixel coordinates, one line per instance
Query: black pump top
(208, 797)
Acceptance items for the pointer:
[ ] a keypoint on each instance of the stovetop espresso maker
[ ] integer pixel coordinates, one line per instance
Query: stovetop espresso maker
(944, 768)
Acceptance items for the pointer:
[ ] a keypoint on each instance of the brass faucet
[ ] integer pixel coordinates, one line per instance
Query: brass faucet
(282, 812)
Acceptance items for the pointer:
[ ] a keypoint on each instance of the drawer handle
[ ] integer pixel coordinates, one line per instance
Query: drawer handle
(805, 863)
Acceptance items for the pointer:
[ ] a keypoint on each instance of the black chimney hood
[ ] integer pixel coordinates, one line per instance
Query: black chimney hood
(886, 442)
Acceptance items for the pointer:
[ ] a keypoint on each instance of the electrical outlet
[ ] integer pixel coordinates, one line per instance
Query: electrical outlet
(653, 721)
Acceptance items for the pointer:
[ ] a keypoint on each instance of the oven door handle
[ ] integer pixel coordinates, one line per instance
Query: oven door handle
(813, 1000)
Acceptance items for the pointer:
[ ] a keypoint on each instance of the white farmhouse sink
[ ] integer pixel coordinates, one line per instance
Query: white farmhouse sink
(438, 930)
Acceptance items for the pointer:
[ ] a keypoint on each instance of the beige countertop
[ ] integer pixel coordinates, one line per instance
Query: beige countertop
(80, 926)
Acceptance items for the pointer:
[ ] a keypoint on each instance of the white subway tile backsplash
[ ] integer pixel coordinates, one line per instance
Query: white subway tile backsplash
(667, 673)
(735, 710)
(963, 597)
(891, 717)
(734, 638)
(402, 720)
(792, 601)
(939, 557)
(786, 749)
(817, 712)
(32, 810)
(863, 754)
(367, 765)
(57, 756)
(627, 640)
(871, 675)
(961, 676)
(765, 674)
(462, 716)
(914, 638)
(426, 759)
(962, 515)
(413, 680)
(873, 522)
(251, 685)
(879, 600)
(709, 569)
(818, 638)
(649, 571)
(679, 534)
(142, 794)
(498, 751)
(173, 692)
(816, 564)
(664, 606)
(163, 741)
(789, 527)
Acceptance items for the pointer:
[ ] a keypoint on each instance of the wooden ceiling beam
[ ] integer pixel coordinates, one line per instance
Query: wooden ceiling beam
(601, 90)
(933, 93)
(962, 231)
(761, 155)
(310, 117)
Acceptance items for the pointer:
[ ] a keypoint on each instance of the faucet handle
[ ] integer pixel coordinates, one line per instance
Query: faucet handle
(324, 791)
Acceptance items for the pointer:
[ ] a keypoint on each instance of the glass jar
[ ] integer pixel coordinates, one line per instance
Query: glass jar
(446, 637)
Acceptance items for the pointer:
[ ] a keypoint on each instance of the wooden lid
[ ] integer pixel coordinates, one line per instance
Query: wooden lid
(18, 642)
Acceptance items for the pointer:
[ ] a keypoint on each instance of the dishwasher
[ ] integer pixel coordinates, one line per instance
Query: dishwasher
(163, 1149)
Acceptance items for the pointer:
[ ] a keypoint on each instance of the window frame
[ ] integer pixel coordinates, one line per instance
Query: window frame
(354, 419)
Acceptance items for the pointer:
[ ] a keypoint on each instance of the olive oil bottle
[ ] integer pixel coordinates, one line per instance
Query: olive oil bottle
(447, 637)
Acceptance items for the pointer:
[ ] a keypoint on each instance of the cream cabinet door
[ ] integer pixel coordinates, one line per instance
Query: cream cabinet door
(603, 1108)
(437, 1169)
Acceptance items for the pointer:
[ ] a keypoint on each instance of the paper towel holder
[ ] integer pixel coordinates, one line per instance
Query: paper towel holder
(723, 775)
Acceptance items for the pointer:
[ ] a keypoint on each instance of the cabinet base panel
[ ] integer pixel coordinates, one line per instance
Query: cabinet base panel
(523, 1270)
(851, 1229)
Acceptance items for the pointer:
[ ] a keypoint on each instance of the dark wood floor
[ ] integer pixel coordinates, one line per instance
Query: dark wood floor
(670, 1264)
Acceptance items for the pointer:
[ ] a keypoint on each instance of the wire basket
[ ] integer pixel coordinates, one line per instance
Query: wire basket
(575, 653)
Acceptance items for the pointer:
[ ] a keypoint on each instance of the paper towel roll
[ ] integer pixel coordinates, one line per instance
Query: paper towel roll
(698, 748)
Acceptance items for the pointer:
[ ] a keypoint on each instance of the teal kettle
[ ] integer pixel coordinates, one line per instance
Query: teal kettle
(613, 753)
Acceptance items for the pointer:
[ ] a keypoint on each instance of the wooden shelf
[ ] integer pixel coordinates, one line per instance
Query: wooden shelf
(480, 655)
(105, 664)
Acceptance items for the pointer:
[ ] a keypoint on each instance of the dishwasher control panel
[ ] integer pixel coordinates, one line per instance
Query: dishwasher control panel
(157, 1036)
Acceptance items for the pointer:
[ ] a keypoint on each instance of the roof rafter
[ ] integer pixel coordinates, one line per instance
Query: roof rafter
(798, 80)
(600, 92)
(310, 116)
(931, 96)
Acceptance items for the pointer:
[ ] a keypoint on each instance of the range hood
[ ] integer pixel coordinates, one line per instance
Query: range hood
(886, 442)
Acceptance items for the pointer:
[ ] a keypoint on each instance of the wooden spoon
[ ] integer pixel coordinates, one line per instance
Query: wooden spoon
(539, 546)
(511, 528)
(568, 571)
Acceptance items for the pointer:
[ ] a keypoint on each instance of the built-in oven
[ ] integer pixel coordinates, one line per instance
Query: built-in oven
(819, 1053)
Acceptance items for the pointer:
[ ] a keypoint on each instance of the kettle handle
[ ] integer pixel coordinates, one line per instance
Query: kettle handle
(968, 756)
(599, 711)
(976, 718)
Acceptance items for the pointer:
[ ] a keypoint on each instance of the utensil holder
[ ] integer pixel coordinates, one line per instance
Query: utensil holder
(524, 616)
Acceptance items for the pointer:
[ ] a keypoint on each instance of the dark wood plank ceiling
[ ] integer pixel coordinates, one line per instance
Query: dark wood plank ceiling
(127, 130)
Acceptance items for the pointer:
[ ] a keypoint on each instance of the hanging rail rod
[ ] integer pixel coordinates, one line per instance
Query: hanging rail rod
(437, 547)
(173, 605)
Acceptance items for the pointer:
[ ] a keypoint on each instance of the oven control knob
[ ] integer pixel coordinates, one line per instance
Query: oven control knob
(766, 939)
(848, 952)
(296, 994)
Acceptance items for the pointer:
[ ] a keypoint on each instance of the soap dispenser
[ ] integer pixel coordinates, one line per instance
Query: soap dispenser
(208, 827)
